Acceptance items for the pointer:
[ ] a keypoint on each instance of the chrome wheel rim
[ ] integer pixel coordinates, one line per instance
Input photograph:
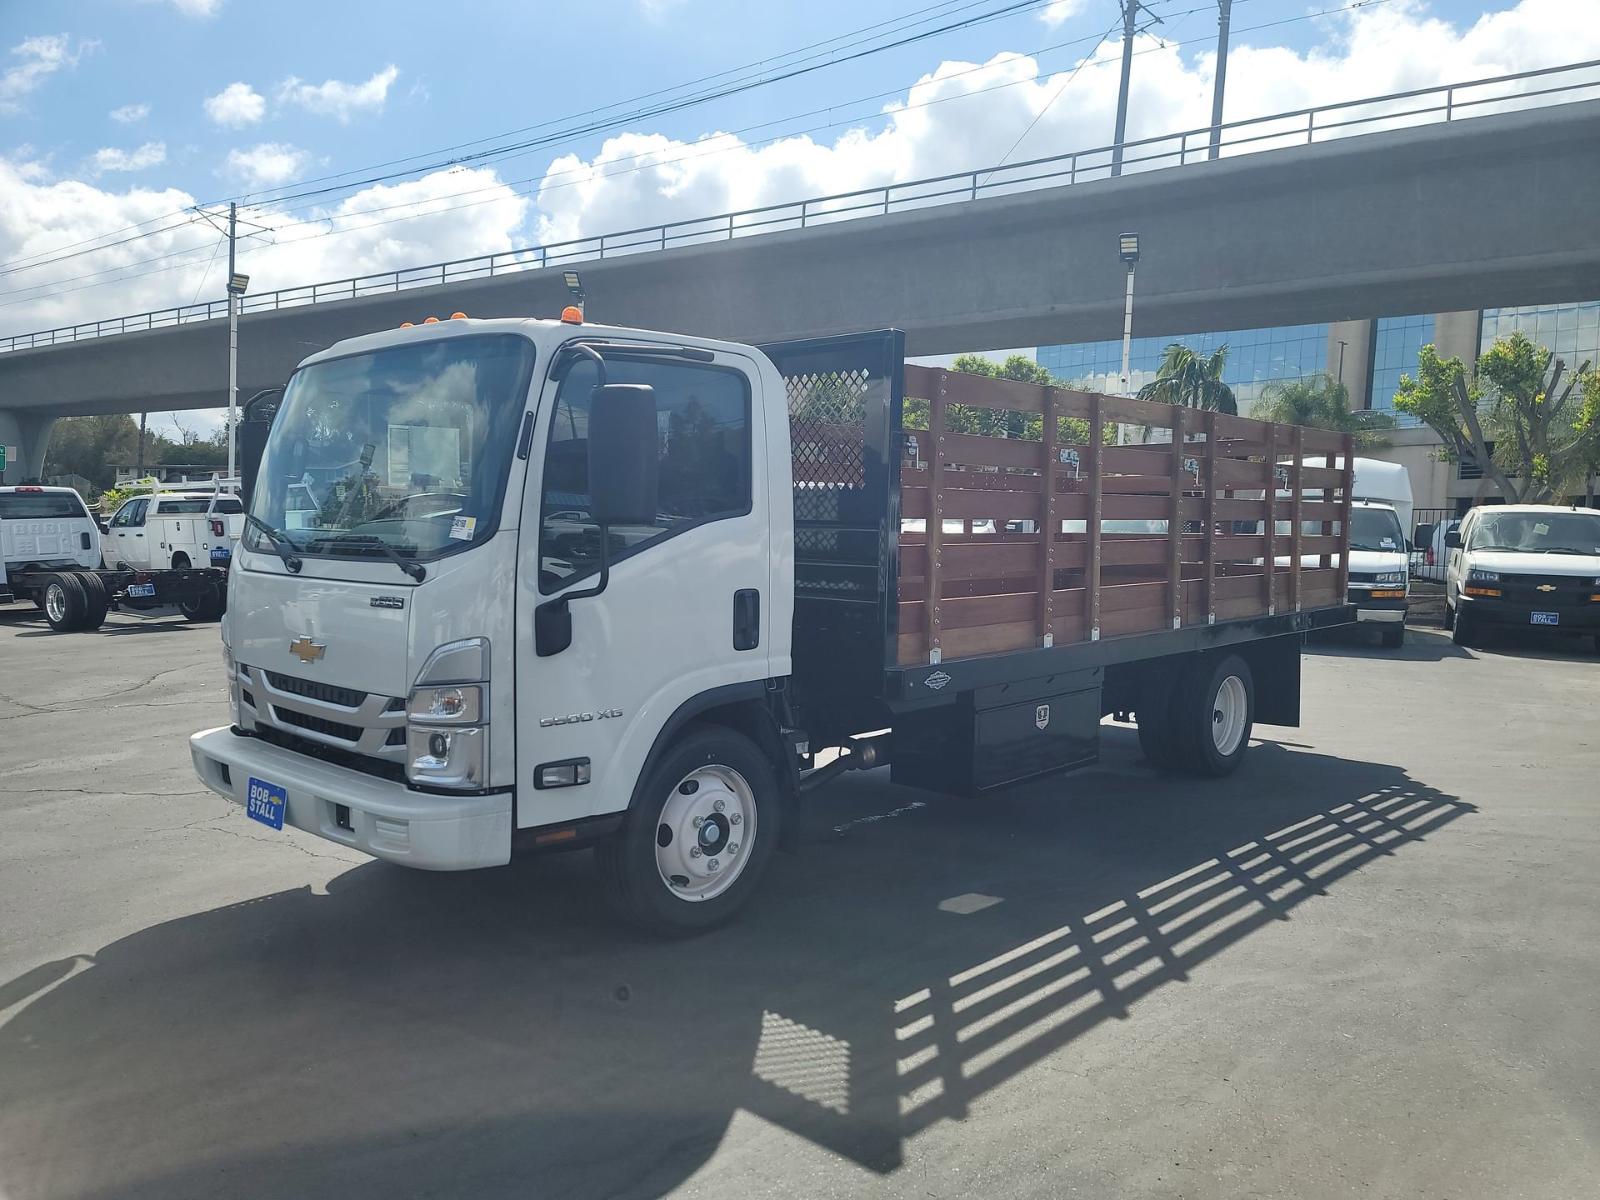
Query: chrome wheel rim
(705, 832)
(1228, 715)
(55, 602)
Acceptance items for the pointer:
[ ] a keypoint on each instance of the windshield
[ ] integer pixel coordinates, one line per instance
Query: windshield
(18, 506)
(1538, 532)
(1376, 529)
(408, 444)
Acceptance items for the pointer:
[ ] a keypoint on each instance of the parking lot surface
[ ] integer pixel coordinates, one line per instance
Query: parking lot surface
(1366, 964)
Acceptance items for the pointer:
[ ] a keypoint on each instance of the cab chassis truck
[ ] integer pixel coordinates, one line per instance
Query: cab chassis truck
(953, 575)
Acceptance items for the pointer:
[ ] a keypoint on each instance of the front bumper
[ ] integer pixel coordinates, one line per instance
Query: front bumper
(1574, 618)
(1389, 610)
(387, 820)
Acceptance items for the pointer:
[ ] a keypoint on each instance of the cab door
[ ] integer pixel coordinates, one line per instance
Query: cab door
(126, 539)
(686, 609)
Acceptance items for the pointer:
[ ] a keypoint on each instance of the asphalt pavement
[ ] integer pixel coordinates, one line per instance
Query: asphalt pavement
(1365, 965)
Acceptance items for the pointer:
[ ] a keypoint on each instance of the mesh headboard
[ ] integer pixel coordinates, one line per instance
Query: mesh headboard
(844, 397)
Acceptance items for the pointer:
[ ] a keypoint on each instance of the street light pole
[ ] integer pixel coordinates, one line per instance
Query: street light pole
(1224, 10)
(1128, 250)
(1130, 11)
(233, 334)
(1341, 359)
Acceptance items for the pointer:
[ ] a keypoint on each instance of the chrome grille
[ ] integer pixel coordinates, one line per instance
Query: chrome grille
(358, 722)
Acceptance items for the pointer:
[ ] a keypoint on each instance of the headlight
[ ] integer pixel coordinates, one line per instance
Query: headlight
(1391, 579)
(1478, 575)
(453, 704)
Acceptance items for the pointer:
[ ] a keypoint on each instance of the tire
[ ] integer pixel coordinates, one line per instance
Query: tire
(716, 765)
(94, 588)
(1393, 639)
(1213, 711)
(207, 606)
(1449, 614)
(180, 562)
(1462, 630)
(1157, 738)
(65, 602)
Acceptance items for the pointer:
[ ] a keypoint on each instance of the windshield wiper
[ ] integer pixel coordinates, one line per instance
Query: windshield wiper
(280, 544)
(409, 565)
(1567, 550)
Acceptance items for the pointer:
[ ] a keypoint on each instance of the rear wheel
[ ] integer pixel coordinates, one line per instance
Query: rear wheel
(65, 603)
(204, 606)
(1213, 711)
(180, 562)
(693, 848)
(94, 589)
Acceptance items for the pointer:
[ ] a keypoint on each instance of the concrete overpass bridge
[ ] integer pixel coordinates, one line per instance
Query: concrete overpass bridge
(1457, 214)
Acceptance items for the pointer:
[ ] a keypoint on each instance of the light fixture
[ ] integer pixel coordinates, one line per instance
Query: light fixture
(1128, 248)
(574, 285)
(238, 283)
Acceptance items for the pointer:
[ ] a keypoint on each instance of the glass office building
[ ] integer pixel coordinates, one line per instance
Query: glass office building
(1255, 357)
(1395, 344)
(1569, 331)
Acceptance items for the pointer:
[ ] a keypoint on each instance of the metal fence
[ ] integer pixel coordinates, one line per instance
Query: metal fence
(1429, 526)
(1395, 110)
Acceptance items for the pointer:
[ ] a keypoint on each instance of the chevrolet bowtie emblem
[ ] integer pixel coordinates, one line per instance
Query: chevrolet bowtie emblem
(1546, 587)
(307, 650)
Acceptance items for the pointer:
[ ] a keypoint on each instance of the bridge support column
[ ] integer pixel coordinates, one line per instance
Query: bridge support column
(25, 436)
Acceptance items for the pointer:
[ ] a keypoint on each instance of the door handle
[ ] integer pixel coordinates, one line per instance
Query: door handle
(746, 619)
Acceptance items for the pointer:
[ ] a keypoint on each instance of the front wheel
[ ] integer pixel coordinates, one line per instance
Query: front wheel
(698, 839)
(1461, 629)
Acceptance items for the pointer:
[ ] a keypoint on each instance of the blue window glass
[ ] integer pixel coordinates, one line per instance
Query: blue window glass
(1569, 331)
(1394, 353)
(1255, 357)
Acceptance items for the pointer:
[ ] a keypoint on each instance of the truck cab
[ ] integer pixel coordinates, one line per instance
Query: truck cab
(41, 528)
(175, 530)
(1380, 579)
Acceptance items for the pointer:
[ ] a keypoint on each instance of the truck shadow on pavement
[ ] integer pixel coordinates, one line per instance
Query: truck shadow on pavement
(495, 1034)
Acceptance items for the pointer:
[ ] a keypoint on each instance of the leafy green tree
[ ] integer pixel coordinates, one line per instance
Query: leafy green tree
(90, 446)
(1520, 403)
(1191, 380)
(994, 422)
(1322, 403)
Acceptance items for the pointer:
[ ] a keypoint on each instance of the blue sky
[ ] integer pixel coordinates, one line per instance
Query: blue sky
(118, 115)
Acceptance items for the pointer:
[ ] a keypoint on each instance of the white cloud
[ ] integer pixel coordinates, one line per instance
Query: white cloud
(235, 105)
(1057, 11)
(266, 164)
(962, 115)
(421, 222)
(129, 114)
(112, 158)
(198, 8)
(336, 98)
(41, 57)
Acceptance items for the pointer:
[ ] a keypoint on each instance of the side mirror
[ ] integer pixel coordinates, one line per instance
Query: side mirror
(624, 451)
(103, 527)
(624, 487)
(1452, 540)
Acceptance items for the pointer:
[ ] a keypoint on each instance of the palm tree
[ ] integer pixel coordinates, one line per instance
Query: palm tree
(1186, 378)
(1323, 403)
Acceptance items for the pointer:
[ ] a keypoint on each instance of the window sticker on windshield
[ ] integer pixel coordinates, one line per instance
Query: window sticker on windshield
(461, 528)
(1541, 529)
(1387, 543)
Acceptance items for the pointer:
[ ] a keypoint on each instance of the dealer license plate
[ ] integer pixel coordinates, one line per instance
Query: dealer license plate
(266, 802)
(1544, 618)
(141, 589)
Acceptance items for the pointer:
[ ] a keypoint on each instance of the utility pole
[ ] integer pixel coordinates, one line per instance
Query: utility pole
(1224, 10)
(233, 331)
(1342, 345)
(1130, 13)
(1128, 251)
(139, 470)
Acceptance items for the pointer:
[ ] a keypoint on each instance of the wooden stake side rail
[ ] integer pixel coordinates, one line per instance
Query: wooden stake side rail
(1049, 535)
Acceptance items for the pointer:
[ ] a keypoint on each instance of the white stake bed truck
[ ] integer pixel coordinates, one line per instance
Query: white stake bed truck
(522, 585)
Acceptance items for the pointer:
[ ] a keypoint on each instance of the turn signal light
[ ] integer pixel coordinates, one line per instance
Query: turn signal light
(1481, 591)
(1388, 595)
(1596, 596)
(572, 315)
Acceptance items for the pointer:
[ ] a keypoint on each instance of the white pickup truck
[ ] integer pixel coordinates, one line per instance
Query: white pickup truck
(175, 531)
